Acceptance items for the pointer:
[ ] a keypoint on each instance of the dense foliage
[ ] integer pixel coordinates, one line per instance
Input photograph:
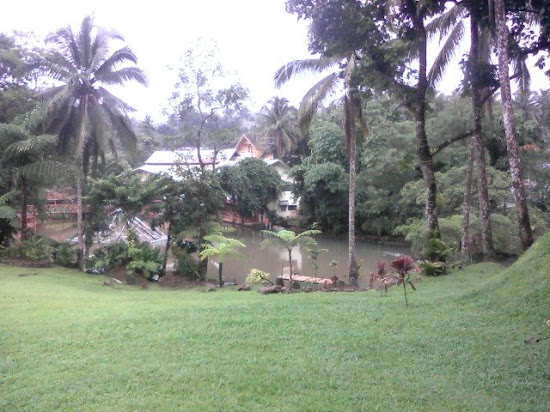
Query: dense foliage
(391, 156)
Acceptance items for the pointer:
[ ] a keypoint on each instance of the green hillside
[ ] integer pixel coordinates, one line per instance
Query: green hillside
(70, 343)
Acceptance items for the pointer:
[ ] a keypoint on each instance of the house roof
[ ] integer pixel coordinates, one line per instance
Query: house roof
(164, 161)
(188, 155)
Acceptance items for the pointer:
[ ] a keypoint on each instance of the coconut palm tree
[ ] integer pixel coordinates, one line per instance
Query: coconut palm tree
(279, 121)
(340, 71)
(87, 117)
(288, 240)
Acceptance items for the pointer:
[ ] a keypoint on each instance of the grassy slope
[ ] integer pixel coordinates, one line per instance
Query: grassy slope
(68, 343)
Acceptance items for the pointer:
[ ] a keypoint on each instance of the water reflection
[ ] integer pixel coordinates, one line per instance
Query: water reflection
(271, 259)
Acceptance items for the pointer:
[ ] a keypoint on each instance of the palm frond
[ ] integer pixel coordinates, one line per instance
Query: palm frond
(102, 138)
(523, 79)
(11, 133)
(296, 67)
(122, 75)
(122, 126)
(35, 145)
(57, 66)
(360, 115)
(312, 99)
(111, 100)
(61, 98)
(99, 48)
(66, 43)
(446, 53)
(9, 214)
(445, 23)
(85, 127)
(44, 171)
(117, 57)
(9, 197)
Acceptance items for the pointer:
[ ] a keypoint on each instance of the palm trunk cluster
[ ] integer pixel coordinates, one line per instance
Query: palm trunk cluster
(526, 234)
(477, 143)
(423, 149)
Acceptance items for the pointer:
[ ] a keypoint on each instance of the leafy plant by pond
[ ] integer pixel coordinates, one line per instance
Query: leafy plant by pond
(221, 247)
(403, 265)
(288, 240)
(139, 258)
(258, 277)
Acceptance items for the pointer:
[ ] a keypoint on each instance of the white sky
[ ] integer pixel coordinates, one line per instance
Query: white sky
(255, 38)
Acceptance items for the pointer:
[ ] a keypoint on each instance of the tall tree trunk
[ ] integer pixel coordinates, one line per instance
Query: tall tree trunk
(525, 232)
(290, 273)
(352, 153)
(79, 221)
(465, 243)
(477, 142)
(220, 274)
(24, 209)
(203, 263)
(167, 248)
(423, 149)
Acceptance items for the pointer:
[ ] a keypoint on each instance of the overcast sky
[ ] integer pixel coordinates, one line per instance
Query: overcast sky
(255, 38)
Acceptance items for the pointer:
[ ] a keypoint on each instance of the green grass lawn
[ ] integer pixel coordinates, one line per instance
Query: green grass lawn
(69, 343)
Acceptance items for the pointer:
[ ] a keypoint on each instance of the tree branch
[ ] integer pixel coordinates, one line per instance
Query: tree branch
(450, 141)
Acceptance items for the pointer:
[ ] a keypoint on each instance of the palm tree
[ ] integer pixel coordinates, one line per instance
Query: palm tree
(28, 156)
(9, 221)
(289, 240)
(451, 24)
(87, 117)
(526, 234)
(278, 119)
(352, 114)
(221, 247)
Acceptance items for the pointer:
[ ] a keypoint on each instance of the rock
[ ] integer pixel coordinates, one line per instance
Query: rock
(107, 283)
(243, 288)
(211, 289)
(309, 289)
(266, 290)
(533, 339)
(280, 282)
(296, 285)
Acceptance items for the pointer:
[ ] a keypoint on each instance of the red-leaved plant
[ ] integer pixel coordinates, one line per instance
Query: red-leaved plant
(403, 266)
(379, 275)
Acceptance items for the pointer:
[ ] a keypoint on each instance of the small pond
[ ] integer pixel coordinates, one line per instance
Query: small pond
(271, 259)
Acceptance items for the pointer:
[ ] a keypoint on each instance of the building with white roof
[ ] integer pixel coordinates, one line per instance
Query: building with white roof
(167, 162)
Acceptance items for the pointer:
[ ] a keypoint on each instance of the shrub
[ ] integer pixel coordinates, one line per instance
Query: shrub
(117, 254)
(433, 268)
(138, 258)
(144, 260)
(186, 265)
(64, 254)
(36, 248)
(258, 277)
(436, 250)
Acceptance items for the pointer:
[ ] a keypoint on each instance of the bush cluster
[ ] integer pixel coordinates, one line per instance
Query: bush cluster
(139, 258)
